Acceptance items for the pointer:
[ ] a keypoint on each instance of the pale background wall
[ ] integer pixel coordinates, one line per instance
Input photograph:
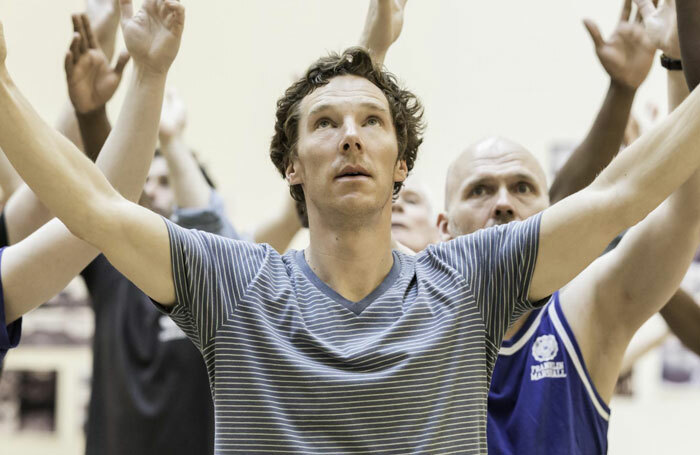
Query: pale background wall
(525, 70)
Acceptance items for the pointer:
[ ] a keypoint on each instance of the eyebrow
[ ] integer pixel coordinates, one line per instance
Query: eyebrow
(365, 105)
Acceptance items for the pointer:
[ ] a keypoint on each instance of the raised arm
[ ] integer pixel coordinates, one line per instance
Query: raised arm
(627, 57)
(682, 314)
(575, 230)
(382, 27)
(689, 34)
(91, 83)
(189, 185)
(134, 239)
(104, 16)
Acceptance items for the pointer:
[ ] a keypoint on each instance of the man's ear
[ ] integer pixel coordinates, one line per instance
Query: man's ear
(400, 171)
(292, 174)
(443, 227)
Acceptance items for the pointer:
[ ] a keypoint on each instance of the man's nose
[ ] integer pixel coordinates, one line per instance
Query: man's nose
(351, 139)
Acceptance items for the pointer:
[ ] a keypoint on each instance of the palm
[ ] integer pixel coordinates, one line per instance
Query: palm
(663, 32)
(93, 82)
(152, 35)
(628, 55)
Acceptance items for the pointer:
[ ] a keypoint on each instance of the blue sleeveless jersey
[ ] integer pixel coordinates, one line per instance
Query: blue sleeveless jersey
(542, 400)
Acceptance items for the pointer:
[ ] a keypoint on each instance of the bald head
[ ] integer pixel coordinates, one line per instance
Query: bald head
(493, 150)
(491, 182)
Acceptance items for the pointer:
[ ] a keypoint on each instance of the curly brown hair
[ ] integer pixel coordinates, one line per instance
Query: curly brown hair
(406, 111)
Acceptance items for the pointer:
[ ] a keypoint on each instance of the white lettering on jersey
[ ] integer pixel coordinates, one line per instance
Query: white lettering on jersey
(544, 349)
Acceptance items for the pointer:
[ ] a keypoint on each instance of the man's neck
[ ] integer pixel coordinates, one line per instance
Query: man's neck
(352, 259)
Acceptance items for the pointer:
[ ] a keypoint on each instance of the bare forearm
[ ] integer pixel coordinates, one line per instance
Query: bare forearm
(24, 214)
(600, 145)
(51, 253)
(94, 131)
(648, 171)
(688, 13)
(682, 314)
(189, 185)
(67, 125)
(58, 173)
(575, 230)
(128, 152)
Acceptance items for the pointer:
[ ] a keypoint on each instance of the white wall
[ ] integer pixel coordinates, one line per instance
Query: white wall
(525, 70)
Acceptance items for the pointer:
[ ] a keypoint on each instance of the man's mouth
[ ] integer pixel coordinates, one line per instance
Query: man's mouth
(350, 173)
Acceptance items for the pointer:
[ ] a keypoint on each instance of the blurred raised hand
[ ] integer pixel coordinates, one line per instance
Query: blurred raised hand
(91, 79)
(173, 117)
(104, 16)
(152, 35)
(382, 27)
(628, 54)
(661, 26)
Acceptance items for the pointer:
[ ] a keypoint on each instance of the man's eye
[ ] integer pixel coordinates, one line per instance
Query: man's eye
(479, 190)
(323, 123)
(523, 188)
(373, 121)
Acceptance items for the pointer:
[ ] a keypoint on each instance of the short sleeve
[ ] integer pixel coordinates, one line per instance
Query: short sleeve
(9, 334)
(211, 275)
(497, 264)
(210, 219)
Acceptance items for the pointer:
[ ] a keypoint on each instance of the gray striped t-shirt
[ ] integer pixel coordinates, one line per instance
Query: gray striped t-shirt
(295, 368)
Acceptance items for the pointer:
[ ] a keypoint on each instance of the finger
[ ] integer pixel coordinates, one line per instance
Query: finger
(127, 9)
(626, 10)
(75, 47)
(83, 35)
(76, 22)
(121, 62)
(593, 30)
(646, 8)
(91, 41)
(68, 64)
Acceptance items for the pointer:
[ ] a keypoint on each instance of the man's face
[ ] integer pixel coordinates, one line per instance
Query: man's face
(157, 194)
(492, 183)
(412, 221)
(347, 151)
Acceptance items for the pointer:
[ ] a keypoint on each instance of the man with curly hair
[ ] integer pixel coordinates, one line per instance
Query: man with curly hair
(347, 346)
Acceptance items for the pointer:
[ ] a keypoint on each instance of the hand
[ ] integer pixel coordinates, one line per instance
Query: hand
(173, 117)
(91, 81)
(104, 16)
(628, 55)
(661, 25)
(382, 26)
(152, 35)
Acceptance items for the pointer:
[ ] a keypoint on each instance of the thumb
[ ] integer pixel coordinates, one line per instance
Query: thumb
(121, 62)
(594, 32)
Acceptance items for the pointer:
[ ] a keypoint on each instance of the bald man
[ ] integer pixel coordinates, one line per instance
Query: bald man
(413, 217)
(558, 365)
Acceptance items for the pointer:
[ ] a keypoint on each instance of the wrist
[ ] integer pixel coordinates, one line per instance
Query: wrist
(93, 114)
(144, 74)
(621, 89)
